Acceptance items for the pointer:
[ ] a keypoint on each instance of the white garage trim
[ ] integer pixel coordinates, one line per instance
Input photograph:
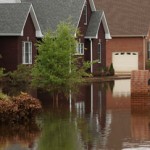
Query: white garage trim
(125, 62)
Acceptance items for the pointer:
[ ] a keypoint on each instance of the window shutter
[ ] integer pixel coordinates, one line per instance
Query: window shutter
(148, 50)
(23, 52)
(99, 52)
(30, 53)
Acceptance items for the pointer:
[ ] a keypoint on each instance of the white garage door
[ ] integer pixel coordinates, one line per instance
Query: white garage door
(125, 62)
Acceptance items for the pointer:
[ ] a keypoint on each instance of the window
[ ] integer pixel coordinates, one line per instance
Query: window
(99, 52)
(80, 48)
(27, 52)
(85, 14)
(148, 50)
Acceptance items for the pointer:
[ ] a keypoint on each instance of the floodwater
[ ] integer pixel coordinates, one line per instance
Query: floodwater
(102, 116)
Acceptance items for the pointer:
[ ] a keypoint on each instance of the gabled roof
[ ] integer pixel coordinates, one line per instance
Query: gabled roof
(51, 12)
(96, 19)
(126, 17)
(13, 18)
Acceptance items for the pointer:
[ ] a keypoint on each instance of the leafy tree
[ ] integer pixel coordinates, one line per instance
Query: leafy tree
(55, 66)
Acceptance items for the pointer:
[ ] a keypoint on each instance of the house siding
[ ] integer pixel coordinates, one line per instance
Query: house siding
(8, 51)
(126, 44)
(82, 29)
(28, 35)
(101, 37)
(87, 52)
(147, 39)
(11, 47)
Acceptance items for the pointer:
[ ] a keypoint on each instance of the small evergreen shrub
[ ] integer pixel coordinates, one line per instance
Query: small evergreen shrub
(147, 65)
(111, 70)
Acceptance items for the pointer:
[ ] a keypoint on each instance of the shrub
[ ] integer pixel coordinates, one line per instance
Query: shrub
(3, 96)
(148, 64)
(18, 80)
(111, 70)
(19, 109)
(21, 76)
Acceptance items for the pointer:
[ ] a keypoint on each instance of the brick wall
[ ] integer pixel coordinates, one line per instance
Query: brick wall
(125, 44)
(139, 82)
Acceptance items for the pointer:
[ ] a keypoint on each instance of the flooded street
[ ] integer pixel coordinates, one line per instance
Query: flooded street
(102, 116)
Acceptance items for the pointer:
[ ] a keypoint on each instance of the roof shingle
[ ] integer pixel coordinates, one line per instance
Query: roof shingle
(13, 17)
(94, 23)
(51, 12)
(126, 17)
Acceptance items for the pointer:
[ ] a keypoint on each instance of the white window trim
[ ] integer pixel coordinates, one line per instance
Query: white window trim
(99, 52)
(85, 13)
(23, 52)
(79, 48)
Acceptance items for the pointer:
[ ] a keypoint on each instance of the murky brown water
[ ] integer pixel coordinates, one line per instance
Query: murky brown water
(103, 116)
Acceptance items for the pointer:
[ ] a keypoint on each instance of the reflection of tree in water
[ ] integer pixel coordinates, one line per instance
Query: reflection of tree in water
(59, 133)
(23, 134)
(92, 120)
(111, 85)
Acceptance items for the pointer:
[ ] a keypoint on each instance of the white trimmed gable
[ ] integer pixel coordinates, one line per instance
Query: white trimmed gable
(10, 1)
(92, 5)
(35, 22)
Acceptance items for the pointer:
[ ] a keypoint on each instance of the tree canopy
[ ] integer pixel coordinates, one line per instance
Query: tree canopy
(55, 67)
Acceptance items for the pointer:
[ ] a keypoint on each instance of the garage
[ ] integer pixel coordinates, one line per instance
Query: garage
(125, 62)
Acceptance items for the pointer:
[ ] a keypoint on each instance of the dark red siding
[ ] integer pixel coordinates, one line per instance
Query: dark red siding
(101, 37)
(29, 35)
(82, 27)
(9, 51)
(11, 47)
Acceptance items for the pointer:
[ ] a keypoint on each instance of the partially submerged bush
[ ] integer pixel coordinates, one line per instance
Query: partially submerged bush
(18, 80)
(3, 96)
(19, 109)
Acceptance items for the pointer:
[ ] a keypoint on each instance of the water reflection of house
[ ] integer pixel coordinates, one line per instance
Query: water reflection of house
(91, 99)
(119, 96)
(140, 120)
(90, 105)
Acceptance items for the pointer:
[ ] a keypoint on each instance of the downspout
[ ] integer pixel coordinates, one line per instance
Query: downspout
(91, 51)
(144, 53)
(91, 100)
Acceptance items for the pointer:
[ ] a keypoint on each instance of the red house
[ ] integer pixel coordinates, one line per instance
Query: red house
(19, 30)
(128, 21)
(91, 23)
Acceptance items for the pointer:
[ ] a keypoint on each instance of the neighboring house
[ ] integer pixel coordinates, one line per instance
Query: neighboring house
(19, 30)
(129, 24)
(83, 15)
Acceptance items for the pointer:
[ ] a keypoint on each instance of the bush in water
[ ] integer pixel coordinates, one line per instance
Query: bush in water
(19, 109)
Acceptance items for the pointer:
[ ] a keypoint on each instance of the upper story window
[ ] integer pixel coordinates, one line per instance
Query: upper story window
(85, 14)
(99, 52)
(148, 50)
(80, 48)
(27, 52)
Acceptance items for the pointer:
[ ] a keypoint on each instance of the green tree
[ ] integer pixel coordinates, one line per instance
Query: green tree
(55, 66)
